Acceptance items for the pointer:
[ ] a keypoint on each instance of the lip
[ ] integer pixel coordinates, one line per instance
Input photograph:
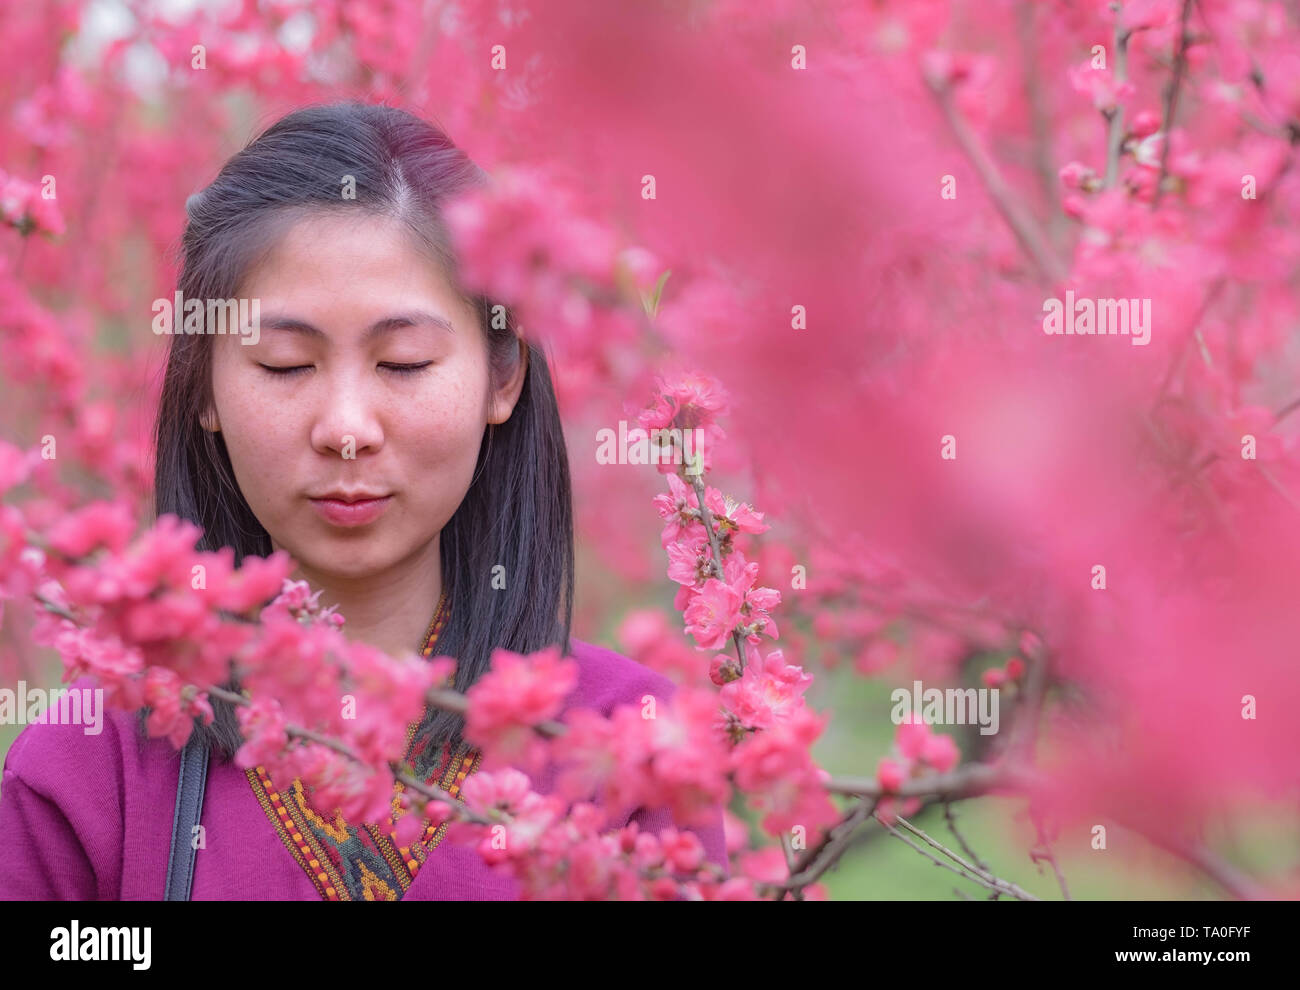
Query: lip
(350, 495)
(355, 509)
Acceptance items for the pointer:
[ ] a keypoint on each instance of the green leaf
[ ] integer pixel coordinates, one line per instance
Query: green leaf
(651, 302)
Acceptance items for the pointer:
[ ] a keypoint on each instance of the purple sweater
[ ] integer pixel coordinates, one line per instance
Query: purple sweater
(89, 817)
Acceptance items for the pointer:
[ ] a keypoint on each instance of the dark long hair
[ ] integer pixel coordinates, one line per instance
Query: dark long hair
(518, 511)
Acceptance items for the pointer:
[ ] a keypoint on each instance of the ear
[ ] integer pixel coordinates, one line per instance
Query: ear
(503, 401)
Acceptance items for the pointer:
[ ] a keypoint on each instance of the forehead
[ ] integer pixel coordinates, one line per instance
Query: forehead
(349, 269)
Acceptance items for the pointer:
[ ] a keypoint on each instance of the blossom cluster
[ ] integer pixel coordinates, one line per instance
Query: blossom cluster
(918, 751)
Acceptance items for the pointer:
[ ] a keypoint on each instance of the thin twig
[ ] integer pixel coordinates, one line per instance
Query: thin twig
(1024, 735)
(1056, 868)
(453, 701)
(821, 857)
(1171, 100)
(1022, 223)
(1043, 852)
(438, 794)
(994, 883)
(974, 878)
(1277, 486)
(952, 827)
(1227, 876)
(57, 609)
(1039, 120)
(926, 612)
(1286, 410)
(1115, 116)
(788, 851)
(968, 781)
(308, 735)
(1180, 355)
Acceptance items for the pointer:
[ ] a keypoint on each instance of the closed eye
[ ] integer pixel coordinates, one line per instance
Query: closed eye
(405, 369)
(276, 370)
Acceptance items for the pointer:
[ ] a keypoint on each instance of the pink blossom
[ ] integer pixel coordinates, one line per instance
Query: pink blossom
(687, 755)
(690, 561)
(774, 768)
(732, 515)
(1073, 175)
(100, 524)
(516, 694)
(15, 466)
(690, 400)
(173, 706)
(507, 797)
(757, 602)
(941, 753)
(261, 722)
(911, 737)
(917, 749)
(944, 68)
(890, 774)
(603, 753)
(679, 509)
(1101, 86)
(768, 690)
(682, 850)
(686, 401)
(713, 612)
(1145, 123)
(890, 809)
(407, 829)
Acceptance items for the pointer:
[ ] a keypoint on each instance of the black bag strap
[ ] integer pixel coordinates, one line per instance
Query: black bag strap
(189, 805)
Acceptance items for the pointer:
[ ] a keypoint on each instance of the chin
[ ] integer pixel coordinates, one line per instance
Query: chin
(343, 560)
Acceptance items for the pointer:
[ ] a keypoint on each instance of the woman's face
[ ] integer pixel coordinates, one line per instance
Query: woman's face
(356, 460)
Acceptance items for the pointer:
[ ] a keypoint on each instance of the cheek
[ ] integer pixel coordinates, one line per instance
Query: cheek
(256, 434)
(443, 425)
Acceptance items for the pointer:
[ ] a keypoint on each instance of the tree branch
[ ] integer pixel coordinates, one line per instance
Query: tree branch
(812, 864)
(1171, 100)
(1039, 119)
(1227, 876)
(952, 827)
(1115, 119)
(1022, 224)
(983, 877)
(308, 735)
(974, 878)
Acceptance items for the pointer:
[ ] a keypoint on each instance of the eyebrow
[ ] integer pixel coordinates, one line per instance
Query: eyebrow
(376, 329)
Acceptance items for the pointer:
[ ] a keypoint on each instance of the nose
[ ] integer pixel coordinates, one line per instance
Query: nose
(349, 423)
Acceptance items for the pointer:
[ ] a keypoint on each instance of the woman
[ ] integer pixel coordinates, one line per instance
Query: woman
(402, 443)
